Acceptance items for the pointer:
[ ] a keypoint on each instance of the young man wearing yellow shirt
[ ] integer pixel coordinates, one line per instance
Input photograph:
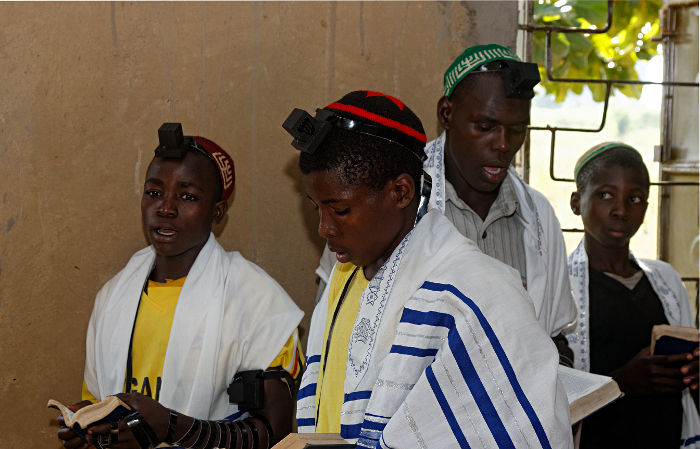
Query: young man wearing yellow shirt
(420, 339)
(184, 318)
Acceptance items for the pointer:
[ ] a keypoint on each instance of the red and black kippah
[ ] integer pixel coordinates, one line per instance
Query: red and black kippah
(378, 109)
(224, 162)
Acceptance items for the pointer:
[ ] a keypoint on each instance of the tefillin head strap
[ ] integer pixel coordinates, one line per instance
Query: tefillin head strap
(519, 78)
(309, 132)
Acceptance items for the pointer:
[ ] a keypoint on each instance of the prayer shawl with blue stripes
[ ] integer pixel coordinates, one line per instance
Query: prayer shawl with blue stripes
(446, 352)
(545, 252)
(669, 287)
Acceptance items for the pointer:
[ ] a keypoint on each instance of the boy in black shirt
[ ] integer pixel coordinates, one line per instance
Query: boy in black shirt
(620, 299)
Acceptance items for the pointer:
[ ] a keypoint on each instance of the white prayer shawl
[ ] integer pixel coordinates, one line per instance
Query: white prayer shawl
(669, 287)
(545, 250)
(231, 316)
(445, 352)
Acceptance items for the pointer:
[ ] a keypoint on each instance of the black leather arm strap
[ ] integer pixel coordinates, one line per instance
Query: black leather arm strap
(114, 432)
(171, 428)
(244, 434)
(268, 426)
(225, 438)
(275, 374)
(135, 422)
(233, 431)
(196, 425)
(214, 433)
(150, 433)
(202, 435)
(254, 433)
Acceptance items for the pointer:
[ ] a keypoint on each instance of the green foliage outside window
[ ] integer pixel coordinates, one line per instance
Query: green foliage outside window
(611, 55)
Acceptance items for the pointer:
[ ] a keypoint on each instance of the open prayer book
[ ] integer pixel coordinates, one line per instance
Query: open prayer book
(110, 409)
(587, 392)
(666, 340)
(313, 440)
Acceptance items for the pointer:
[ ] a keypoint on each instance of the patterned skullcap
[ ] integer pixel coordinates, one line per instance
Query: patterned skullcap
(472, 58)
(224, 162)
(378, 109)
(596, 151)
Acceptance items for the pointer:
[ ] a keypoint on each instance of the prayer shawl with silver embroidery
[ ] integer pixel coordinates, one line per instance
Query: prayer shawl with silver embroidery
(446, 352)
(231, 316)
(545, 251)
(669, 287)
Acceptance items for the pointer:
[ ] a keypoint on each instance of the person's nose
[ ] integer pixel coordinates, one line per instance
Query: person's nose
(501, 141)
(167, 207)
(326, 227)
(620, 209)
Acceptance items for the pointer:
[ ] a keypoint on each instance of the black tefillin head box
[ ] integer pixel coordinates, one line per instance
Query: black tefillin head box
(308, 132)
(172, 142)
(519, 78)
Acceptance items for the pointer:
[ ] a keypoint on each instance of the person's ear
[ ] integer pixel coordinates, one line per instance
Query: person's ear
(402, 190)
(444, 112)
(575, 203)
(220, 209)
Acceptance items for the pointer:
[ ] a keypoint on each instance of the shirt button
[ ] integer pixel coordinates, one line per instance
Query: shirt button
(483, 236)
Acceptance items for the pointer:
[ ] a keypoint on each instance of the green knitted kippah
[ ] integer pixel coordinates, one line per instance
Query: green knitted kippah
(596, 151)
(472, 58)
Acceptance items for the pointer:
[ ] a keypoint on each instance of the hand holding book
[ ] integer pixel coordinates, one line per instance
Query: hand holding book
(156, 415)
(133, 421)
(649, 374)
(691, 371)
(667, 339)
(83, 422)
(71, 440)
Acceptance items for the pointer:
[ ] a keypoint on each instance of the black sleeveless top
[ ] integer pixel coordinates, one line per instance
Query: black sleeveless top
(620, 323)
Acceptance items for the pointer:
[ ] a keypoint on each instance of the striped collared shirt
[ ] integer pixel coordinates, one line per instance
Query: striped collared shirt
(501, 234)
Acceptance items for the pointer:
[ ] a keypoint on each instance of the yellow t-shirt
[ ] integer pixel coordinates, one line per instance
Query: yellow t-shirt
(152, 333)
(330, 392)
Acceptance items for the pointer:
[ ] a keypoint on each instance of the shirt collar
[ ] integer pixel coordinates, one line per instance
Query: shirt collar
(507, 200)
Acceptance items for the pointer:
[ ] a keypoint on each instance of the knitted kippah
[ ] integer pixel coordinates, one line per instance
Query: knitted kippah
(472, 58)
(224, 162)
(596, 151)
(378, 109)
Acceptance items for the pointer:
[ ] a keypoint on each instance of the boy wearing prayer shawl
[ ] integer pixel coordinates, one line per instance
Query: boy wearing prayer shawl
(177, 324)
(479, 191)
(421, 340)
(621, 298)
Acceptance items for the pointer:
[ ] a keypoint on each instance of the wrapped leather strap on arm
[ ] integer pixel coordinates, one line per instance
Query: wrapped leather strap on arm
(205, 434)
(141, 430)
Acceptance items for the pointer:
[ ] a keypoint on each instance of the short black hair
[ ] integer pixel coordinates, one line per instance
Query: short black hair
(361, 159)
(365, 159)
(615, 157)
(218, 185)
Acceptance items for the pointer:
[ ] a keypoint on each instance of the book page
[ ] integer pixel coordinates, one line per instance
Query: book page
(109, 409)
(578, 383)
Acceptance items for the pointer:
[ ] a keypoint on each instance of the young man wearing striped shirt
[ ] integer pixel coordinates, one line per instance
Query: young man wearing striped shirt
(485, 118)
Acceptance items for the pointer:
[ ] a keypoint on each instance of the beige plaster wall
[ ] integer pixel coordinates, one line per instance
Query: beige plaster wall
(83, 90)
